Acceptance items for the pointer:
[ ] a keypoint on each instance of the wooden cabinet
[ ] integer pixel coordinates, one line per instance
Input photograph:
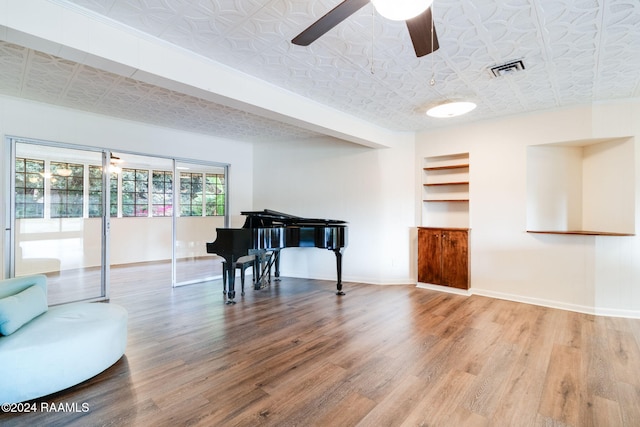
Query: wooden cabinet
(443, 256)
(443, 241)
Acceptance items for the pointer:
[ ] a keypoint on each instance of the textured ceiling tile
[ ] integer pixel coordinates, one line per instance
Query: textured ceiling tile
(152, 15)
(13, 60)
(574, 51)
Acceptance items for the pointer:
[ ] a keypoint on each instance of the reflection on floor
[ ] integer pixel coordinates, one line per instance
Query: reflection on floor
(84, 284)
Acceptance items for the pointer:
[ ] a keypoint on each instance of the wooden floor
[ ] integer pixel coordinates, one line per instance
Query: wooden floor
(295, 354)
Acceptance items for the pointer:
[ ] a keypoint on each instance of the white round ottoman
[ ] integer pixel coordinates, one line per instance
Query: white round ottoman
(64, 346)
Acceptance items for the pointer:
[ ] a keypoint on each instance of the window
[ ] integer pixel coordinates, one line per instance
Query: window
(162, 193)
(113, 191)
(214, 194)
(135, 192)
(29, 188)
(199, 200)
(95, 192)
(67, 188)
(58, 189)
(190, 194)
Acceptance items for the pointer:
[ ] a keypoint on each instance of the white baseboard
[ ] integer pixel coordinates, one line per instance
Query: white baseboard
(595, 311)
(535, 301)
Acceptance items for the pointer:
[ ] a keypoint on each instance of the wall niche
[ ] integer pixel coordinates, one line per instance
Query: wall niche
(582, 187)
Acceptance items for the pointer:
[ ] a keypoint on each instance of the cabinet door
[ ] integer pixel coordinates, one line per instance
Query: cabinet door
(429, 256)
(455, 259)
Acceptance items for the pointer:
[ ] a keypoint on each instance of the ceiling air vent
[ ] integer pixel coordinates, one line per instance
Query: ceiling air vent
(508, 68)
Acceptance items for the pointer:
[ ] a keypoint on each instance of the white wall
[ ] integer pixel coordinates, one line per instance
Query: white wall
(554, 188)
(40, 121)
(372, 189)
(379, 192)
(584, 273)
(609, 176)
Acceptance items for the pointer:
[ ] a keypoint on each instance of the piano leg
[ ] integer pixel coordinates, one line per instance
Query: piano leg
(230, 274)
(276, 262)
(338, 253)
(261, 263)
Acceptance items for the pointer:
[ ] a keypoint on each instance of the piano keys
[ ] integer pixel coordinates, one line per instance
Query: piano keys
(269, 230)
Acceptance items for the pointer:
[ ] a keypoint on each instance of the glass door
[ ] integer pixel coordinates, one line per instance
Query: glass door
(140, 235)
(202, 207)
(98, 220)
(57, 218)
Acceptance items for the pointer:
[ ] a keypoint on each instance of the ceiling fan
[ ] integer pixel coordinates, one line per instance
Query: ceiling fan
(418, 18)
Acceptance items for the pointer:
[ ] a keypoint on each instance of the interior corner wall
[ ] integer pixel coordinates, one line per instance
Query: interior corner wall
(592, 274)
(27, 119)
(609, 174)
(554, 188)
(372, 189)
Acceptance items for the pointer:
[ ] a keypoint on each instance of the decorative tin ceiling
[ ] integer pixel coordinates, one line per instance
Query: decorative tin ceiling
(574, 52)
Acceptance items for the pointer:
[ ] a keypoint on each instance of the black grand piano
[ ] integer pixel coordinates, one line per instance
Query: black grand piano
(272, 231)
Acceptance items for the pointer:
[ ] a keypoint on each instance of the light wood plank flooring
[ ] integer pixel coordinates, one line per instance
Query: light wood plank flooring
(295, 354)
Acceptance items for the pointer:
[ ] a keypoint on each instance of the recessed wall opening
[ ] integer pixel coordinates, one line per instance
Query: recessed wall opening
(582, 187)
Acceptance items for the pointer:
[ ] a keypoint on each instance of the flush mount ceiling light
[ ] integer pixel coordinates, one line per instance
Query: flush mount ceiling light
(401, 10)
(114, 161)
(451, 109)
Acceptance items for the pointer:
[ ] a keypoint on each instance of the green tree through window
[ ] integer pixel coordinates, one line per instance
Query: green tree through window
(67, 190)
(190, 194)
(29, 188)
(95, 192)
(135, 192)
(63, 191)
(162, 196)
(215, 194)
(194, 197)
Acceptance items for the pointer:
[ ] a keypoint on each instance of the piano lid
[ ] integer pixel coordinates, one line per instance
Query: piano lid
(269, 218)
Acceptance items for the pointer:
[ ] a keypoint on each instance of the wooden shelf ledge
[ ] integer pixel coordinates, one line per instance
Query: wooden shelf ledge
(580, 233)
(446, 200)
(438, 168)
(432, 184)
(431, 227)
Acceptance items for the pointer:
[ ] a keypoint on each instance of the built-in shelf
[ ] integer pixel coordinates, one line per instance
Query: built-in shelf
(580, 233)
(438, 168)
(433, 184)
(445, 200)
(445, 193)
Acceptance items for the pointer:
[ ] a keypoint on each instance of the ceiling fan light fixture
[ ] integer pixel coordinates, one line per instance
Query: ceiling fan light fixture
(451, 109)
(401, 10)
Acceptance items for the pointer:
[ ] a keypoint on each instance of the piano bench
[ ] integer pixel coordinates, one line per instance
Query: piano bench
(243, 263)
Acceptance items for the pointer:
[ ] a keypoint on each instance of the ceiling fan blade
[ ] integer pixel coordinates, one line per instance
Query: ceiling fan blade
(421, 29)
(328, 21)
